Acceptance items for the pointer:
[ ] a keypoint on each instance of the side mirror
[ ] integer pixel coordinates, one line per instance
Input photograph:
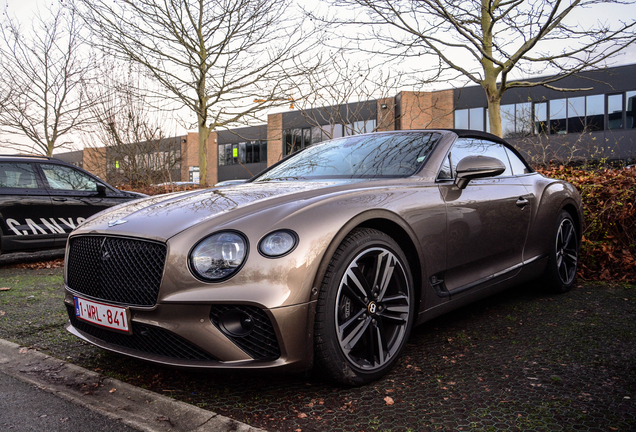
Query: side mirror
(473, 167)
(101, 189)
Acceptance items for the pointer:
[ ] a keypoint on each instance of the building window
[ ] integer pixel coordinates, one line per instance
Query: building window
(244, 153)
(576, 115)
(360, 127)
(615, 106)
(558, 116)
(541, 117)
(295, 140)
(476, 119)
(630, 122)
(472, 118)
(298, 138)
(516, 120)
(595, 112)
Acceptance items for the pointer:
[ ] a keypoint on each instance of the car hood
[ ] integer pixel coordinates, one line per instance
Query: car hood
(164, 216)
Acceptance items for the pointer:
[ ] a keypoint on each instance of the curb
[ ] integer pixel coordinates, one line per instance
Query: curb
(133, 406)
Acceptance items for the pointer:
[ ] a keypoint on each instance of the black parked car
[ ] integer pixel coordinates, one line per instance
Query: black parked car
(43, 199)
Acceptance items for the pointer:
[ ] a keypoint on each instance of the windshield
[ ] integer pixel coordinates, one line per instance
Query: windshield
(362, 156)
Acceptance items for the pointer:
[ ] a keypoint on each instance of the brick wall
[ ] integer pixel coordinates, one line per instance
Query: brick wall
(94, 161)
(426, 110)
(213, 159)
(386, 116)
(190, 156)
(274, 138)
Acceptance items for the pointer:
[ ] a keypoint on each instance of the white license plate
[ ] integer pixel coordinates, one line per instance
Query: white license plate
(101, 314)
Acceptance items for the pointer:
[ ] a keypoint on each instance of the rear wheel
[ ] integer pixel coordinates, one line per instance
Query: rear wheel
(564, 255)
(365, 309)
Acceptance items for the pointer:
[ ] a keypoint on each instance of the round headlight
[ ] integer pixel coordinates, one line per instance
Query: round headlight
(218, 256)
(278, 243)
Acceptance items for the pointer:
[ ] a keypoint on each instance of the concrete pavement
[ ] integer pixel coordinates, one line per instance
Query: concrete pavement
(31, 382)
(25, 407)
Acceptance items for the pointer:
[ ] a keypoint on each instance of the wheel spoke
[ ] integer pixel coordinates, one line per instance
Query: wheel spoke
(563, 271)
(569, 234)
(571, 256)
(352, 338)
(386, 274)
(396, 302)
(354, 295)
(371, 345)
(343, 327)
(394, 319)
(377, 266)
(358, 280)
(381, 342)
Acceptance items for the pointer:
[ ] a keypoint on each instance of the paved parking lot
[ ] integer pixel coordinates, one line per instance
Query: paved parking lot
(521, 360)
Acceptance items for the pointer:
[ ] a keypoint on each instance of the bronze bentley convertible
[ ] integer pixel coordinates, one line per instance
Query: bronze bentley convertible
(328, 258)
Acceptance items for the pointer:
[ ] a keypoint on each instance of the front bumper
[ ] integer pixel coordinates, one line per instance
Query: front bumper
(186, 335)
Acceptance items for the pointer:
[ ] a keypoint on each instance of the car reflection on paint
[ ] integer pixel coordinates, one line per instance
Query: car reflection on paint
(327, 259)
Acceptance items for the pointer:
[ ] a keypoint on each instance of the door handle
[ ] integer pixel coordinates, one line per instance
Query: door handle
(522, 202)
(59, 199)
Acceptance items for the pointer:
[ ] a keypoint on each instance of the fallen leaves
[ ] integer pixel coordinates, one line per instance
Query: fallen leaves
(609, 242)
(389, 400)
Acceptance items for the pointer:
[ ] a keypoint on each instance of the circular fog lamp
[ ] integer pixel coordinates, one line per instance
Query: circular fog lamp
(278, 243)
(218, 256)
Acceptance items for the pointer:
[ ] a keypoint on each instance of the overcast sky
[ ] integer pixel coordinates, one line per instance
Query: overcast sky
(24, 9)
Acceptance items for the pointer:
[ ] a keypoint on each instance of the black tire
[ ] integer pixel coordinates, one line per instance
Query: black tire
(365, 309)
(564, 255)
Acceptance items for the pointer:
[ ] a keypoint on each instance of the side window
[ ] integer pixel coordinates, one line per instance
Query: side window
(518, 167)
(65, 178)
(478, 147)
(445, 170)
(17, 175)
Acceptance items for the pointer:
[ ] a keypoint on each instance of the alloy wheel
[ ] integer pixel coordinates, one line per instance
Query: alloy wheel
(372, 309)
(566, 251)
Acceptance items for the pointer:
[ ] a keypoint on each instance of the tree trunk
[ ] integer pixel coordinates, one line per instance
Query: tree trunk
(493, 95)
(204, 133)
(494, 116)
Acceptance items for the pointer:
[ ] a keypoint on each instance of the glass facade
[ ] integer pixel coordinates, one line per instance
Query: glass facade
(615, 106)
(243, 153)
(298, 138)
(630, 112)
(473, 118)
(578, 114)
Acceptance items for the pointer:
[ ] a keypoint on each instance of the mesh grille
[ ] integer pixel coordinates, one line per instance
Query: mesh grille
(261, 343)
(117, 270)
(144, 339)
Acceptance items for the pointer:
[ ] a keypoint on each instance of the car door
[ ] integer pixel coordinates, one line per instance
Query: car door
(25, 209)
(487, 222)
(76, 196)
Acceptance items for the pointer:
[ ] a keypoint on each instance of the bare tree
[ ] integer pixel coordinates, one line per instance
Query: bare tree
(348, 97)
(339, 94)
(41, 87)
(485, 41)
(212, 57)
(137, 148)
